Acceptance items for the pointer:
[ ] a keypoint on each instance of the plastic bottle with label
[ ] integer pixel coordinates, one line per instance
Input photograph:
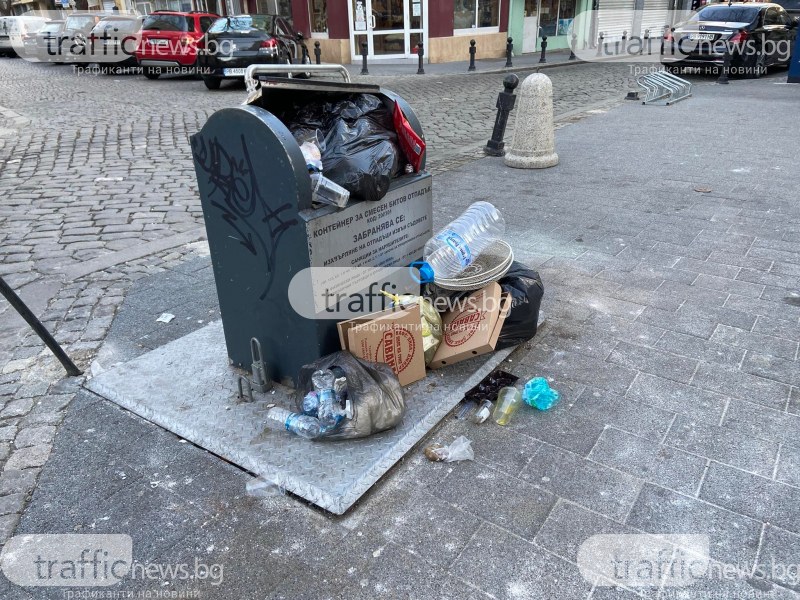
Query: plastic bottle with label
(330, 411)
(456, 246)
(302, 425)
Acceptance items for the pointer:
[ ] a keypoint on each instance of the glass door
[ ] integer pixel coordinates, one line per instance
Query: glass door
(390, 28)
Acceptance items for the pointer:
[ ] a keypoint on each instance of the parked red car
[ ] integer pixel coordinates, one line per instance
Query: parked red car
(170, 41)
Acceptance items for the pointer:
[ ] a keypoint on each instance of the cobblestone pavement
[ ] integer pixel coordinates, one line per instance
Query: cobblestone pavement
(98, 190)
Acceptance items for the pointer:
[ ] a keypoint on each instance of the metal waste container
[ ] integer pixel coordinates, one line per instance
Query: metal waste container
(262, 229)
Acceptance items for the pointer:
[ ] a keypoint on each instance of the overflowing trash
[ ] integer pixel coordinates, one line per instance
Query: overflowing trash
(460, 449)
(352, 144)
(341, 396)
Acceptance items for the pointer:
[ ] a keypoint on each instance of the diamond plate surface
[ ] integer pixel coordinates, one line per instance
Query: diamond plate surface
(187, 387)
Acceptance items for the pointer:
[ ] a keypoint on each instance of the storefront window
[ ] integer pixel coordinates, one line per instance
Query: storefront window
(318, 9)
(469, 14)
(274, 7)
(555, 16)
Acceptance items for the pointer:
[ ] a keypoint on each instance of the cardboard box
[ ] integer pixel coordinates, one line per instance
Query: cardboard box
(392, 336)
(472, 328)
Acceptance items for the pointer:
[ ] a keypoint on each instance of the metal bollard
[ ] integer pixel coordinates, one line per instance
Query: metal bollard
(726, 66)
(420, 54)
(306, 56)
(39, 329)
(543, 58)
(509, 51)
(624, 41)
(317, 53)
(505, 104)
(600, 44)
(364, 52)
(533, 144)
(572, 47)
(472, 51)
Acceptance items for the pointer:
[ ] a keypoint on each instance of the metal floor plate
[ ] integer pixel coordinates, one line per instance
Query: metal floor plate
(187, 387)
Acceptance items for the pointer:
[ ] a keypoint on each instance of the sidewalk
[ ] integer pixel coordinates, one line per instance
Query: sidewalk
(522, 62)
(672, 334)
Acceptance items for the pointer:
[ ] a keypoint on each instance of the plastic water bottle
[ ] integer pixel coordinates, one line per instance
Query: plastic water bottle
(311, 404)
(302, 425)
(330, 412)
(456, 246)
(508, 402)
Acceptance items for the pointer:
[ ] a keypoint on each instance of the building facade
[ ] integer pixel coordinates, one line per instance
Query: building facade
(391, 29)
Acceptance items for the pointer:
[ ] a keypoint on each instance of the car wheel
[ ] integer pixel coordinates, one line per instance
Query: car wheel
(152, 72)
(756, 66)
(212, 83)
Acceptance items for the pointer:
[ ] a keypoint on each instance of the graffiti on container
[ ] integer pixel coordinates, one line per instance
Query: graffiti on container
(235, 192)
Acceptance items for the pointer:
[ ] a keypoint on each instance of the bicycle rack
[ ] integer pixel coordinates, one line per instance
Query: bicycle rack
(664, 88)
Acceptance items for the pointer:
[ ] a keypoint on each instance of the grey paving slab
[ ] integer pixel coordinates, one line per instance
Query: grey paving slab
(655, 362)
(779, 557)
(700, 349)
(532, 573)
(794, 401)
(733, 538)
(730, 446)
(788, 468)
(649, 460)
(786, 370)
(497, 497)
(762, 422)
(206, 413)
(603, 490)
(742, 386)
(509, 450)
(753, 340)
(753, 496)
(613, 378)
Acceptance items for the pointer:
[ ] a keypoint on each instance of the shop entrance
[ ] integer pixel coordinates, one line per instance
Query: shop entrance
(391, 28)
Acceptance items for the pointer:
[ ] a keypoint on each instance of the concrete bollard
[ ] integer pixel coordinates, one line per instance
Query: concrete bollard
(533, 145)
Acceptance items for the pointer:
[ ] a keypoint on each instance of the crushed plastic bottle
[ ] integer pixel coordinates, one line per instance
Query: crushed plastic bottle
(456, 246)
(302, 425)
(538, 394)
(330, 412)
(508, 402)
(311, 404)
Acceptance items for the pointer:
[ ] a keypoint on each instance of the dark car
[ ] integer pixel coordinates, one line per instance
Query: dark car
(235, 43)
(759, 35)
(170, 41)
(115, 41)
(75, 46)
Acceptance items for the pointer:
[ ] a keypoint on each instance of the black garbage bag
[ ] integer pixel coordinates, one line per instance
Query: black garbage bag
(361, 157)
(360, 151)
(526, 290)
(377, 399)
